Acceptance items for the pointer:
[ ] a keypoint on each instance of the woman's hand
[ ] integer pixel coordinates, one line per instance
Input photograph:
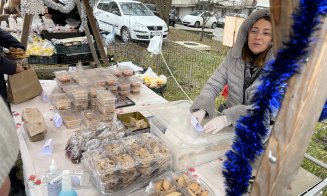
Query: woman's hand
(216, 124)
(199, 115)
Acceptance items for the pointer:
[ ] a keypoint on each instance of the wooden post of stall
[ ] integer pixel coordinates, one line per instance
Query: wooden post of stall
(298, 115)
(2, 3)
(88, 34)
(95, 30)
(26, 29)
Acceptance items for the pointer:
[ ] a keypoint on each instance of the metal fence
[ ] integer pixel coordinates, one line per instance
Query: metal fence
(191, 68)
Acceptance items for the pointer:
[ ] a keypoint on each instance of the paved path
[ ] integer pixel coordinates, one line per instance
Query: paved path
(217, 32)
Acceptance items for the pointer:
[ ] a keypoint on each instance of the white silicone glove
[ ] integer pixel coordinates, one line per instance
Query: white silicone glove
(216, 124)
(199, 115)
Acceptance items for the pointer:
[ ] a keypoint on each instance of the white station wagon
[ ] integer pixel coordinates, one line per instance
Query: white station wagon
(132, 20)
(195, 19)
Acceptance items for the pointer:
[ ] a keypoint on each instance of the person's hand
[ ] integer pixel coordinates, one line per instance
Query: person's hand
(19, 68)
(216, 124)
(199, 115)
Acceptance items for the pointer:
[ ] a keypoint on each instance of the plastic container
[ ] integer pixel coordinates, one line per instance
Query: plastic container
(181, 182)
(71, 118)
(105, 109)
(126, 71)
(115, 71)
(106, 98)
(111, 80)
(90, 118)
(190, 147)
(105, 168)
(62, 76)
(135, 84)
(60, 101)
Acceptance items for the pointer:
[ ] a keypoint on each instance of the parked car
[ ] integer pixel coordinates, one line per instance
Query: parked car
(195, 19)
(221, 21)
(131, 19)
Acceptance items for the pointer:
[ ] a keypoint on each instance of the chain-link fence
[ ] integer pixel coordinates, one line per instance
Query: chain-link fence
(190, 67)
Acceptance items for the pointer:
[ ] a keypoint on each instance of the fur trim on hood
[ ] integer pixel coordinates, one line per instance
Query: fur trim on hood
(243, 32)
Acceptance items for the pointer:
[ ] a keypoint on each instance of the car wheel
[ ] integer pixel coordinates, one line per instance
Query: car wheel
(125, 34)
(214, 25)
(197, 24)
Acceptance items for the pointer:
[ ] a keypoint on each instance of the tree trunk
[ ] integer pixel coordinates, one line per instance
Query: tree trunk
(163, 7)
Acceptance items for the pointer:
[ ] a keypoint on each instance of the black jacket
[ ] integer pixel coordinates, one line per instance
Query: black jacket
(7, 66)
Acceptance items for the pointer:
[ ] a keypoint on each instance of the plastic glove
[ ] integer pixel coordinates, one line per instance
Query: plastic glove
(199, 115)
(216, 124)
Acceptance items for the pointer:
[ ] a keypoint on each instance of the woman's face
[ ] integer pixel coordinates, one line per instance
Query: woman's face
(260, 36)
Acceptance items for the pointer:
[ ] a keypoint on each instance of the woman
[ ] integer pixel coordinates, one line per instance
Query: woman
(12, 8)
(240, 70)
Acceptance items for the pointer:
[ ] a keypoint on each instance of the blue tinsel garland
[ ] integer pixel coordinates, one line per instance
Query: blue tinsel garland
(250, 128)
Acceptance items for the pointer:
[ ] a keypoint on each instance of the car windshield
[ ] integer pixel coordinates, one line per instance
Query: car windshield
(196, 12)
(135, 9)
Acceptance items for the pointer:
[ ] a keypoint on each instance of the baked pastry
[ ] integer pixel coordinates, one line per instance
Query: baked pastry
(163, 186)
(181, 180)
(174, 193)
(195, 190)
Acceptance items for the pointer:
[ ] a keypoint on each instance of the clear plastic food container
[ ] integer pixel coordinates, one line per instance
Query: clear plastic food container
(111, 80)
(181, 182)
(135, 84)
(62, 76)
(105, 109)
(79, 93)
(93, 90)
(126, 71)
(90, 118)
(123, 85)
(71, 118)
(106, 98)
(115, 71)
(105, 168)
(60, 101)
(190, 147)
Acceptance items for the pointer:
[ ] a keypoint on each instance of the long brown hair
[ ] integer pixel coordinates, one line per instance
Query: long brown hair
(247, 54)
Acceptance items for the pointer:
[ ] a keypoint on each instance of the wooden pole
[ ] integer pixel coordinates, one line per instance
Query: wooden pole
(95, 30)
(2, 3)
(296, 119)
(281, 20)
(26, 29)
(88, 34)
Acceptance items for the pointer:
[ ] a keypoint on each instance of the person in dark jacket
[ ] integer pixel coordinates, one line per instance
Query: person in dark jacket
(8, 66)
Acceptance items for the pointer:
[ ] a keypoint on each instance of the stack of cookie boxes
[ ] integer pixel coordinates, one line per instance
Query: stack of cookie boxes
(121, 166)
(92, 90)
(178, 184)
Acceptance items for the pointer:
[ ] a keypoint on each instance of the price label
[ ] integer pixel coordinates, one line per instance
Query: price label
(57, 120)
(196, 124)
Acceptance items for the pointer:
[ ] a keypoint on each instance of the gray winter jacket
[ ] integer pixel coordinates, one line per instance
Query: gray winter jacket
(231, 72)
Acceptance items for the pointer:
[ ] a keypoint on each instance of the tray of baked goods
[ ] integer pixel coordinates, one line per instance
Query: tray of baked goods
(135, 123)
(121, 166)
(181, 183)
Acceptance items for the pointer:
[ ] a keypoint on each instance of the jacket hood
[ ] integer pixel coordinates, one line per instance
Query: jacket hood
(243, 32)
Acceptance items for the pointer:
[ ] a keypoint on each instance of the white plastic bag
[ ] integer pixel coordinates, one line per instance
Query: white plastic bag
(155, 45)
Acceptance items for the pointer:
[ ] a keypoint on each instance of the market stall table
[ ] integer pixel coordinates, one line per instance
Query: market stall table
(36, 163)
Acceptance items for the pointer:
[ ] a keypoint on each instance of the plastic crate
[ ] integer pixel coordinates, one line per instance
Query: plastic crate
(60, 35)
(78, 48)
(45, 60)
(69, 59)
